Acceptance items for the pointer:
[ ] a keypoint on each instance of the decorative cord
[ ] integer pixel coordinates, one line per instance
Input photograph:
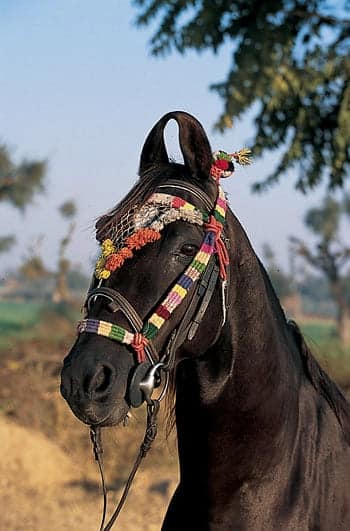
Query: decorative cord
(216, 227)
(139, 343)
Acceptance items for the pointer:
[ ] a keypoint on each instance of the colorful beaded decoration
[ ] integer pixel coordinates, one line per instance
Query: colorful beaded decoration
(149, 223)
(158, 211)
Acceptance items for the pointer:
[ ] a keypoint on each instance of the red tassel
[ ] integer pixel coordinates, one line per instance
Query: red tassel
(215, 226)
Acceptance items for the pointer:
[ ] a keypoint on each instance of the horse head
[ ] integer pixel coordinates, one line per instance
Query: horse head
(158, 291)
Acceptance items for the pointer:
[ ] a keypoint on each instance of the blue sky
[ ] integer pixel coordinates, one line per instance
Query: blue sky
(79, 88)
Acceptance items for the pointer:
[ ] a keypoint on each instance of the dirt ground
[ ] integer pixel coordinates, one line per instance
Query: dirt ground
(48, 477)
(42, 488)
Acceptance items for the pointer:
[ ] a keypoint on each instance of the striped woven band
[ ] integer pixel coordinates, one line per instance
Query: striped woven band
(103, 328)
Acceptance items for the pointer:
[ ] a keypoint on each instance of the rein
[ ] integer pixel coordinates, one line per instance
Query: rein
(202, 270)
(150, 435)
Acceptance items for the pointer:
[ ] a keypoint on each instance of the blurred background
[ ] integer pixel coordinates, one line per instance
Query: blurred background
(81, 84)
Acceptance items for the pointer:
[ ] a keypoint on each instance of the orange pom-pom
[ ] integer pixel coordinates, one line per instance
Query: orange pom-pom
(141, 237)
(125, 252)
(114, 261)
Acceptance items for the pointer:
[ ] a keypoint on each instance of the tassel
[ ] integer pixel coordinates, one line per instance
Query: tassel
(243, 157)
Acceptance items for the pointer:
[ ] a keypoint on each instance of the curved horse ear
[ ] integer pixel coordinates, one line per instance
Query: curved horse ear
(193, 140)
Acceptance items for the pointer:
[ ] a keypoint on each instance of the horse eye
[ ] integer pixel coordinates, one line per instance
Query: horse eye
(188, 249)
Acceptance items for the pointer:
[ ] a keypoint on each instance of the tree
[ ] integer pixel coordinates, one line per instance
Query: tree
(18, 185)
(68, 211)
(6, 243)
(290, 64)
(33, 267)
(330, 256)
(77, 279)
(281, 281)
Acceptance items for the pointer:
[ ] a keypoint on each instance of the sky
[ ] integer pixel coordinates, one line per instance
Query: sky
(79, 88)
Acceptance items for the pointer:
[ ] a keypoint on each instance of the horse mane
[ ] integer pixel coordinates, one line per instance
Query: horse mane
(312, 369)
(322, 382)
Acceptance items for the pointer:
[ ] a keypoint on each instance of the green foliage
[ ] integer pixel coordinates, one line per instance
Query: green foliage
(18, 185)
(346, 205)
(68, 209)
(61, 292)
(77, 280)
(330, 255)
(20, 182)
(324, 220)
(34, 268)
(292, 58)
(345, 283)
(281, 281)
(6, 242)
(314, 287)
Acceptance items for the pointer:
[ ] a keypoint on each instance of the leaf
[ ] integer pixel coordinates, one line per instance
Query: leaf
(290, 65)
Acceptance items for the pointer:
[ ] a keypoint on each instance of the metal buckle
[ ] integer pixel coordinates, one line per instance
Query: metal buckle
(147, 385)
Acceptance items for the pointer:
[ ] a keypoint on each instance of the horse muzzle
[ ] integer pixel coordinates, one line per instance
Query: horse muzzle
(93, 398)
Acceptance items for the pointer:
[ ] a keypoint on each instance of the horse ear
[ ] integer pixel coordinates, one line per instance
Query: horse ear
(193, 140)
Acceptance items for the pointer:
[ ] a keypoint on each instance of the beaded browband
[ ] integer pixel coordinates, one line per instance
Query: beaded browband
(148, 220)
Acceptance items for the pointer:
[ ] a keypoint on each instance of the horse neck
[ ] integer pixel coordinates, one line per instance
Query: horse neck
(237, 403)
(266, 362)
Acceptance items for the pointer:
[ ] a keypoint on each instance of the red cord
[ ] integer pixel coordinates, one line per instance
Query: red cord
(139, 343)
(216, 227)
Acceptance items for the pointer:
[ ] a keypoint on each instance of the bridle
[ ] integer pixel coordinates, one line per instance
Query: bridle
(152, 365)
(202, 271)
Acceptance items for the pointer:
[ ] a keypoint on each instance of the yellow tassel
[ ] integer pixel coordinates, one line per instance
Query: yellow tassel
(243, 156)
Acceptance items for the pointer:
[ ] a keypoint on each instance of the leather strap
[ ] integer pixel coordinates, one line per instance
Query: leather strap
(119, 303)
(207, 295)
(193, 190)
(188, 325)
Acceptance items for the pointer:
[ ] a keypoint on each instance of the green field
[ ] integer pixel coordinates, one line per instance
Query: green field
(17, 319)
(321, 338)
(34, 320)
(319, 332)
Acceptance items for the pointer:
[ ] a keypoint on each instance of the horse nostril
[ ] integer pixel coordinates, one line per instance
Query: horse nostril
(96, 384)
(103, 380)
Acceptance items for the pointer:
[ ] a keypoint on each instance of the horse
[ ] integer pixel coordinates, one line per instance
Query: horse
(263, 433)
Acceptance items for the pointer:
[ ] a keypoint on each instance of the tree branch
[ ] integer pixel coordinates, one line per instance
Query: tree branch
(324, 19)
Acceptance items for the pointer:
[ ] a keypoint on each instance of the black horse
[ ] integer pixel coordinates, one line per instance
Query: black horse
(263, 433)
